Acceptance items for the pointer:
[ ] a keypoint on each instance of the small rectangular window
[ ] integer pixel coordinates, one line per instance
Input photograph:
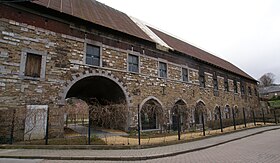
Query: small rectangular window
(249, 91)
(93, 55)
(133, 63)
(226, 84)
(215, 82)
(256, 92)
(33, 65)
(201, 79)
(242, 89)
(162, 70)
(235, 86)
(185, 74)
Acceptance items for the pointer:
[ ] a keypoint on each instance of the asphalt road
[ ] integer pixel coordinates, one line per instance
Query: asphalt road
(263, 147)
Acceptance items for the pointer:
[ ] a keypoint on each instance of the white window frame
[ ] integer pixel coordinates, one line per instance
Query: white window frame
(24, 54)
(94, 43)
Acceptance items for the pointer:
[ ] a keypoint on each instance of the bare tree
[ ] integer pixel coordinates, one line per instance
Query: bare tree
(267, 79)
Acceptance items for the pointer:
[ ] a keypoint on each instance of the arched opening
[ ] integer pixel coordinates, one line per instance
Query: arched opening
(103, 90)
(236, 112)
(179, 114)
(227, 112)
(151, 115)
(216, 113)
(200, 112)
(106, 100)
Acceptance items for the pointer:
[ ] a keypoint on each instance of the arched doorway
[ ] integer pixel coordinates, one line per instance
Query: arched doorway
(105, 97)
(179, 114)
(151, 114)
(199, 113)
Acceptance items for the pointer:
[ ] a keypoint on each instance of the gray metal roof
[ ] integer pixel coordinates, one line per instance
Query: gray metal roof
(269, 89)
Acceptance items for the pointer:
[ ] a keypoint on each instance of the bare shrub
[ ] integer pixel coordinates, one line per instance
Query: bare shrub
(111, 115)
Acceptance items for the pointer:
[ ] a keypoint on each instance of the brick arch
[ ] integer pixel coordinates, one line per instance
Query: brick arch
(77, 77)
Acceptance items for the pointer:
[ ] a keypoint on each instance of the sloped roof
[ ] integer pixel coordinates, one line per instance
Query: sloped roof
(96, 12)
(269, 89)
(195, 52)
(101, 14)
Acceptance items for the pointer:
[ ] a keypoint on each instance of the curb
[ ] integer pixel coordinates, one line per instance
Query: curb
(133, 158)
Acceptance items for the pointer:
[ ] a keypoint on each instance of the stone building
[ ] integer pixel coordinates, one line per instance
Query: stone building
(269, 92)
(52, 50)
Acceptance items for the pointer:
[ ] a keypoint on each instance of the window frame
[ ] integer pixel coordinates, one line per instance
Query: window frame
(182, 74)
(235, 87)
(249, 91)
(23, 61)
(215, 79)
(138, 63)
(242, 88)
(226, 84)
(201, 75)
(159, 70)
(92, 43)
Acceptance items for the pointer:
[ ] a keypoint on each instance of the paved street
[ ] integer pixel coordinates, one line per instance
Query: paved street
(264, 148)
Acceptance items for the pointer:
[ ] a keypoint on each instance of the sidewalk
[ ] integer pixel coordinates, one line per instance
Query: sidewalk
(132, 154)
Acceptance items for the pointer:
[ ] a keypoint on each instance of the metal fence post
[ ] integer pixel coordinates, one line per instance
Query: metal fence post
(47, 127)
(13, 127)
(254, 118)
(221, 121)
(139, 136)
(275, 116)
(263, 116)
(203, 126)
(244, 117)
(89, 130)
(233, 117)
(179, 127)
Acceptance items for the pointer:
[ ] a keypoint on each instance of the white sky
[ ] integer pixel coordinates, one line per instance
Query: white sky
(244, 32)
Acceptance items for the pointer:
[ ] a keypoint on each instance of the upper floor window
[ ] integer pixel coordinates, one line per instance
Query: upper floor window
(226, 84)
(133, 63)
(215, 82)
(242, 89)
(185, 74)
(249, 91)
(235, 86)
(93, 55)
(33, 64)
(256, 92)
(201, 79)
(162, 70)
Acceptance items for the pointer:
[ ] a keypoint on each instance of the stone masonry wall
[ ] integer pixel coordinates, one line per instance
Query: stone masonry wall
(65, 59)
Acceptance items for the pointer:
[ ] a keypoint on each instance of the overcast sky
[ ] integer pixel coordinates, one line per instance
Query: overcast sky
(244, 32)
